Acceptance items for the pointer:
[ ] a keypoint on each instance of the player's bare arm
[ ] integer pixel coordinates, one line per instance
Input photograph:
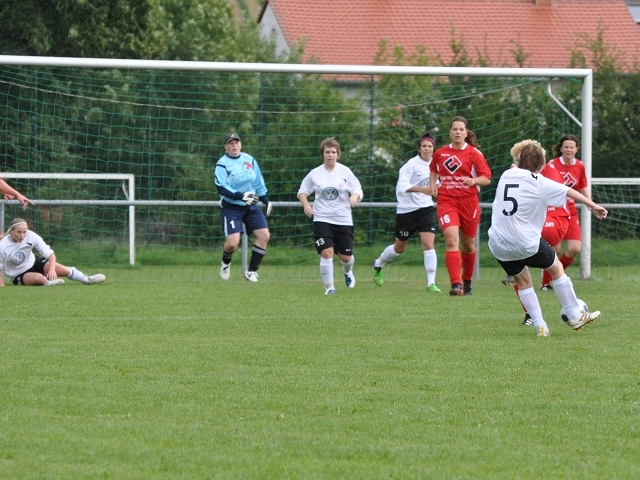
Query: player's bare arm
(482, 181)
(306, 206)
(432, 180)
(598, 211)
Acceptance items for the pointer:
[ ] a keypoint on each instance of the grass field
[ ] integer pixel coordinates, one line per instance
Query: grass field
(210, 379)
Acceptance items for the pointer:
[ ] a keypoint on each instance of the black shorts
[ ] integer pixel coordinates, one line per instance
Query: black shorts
(421, 220)
(328, 235)
(544, 258)
(37, 267)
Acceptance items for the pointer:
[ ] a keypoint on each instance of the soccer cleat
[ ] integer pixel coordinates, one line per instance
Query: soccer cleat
(547, 288)
(508, 280)
(456, 290)
(225, 270)
(467, 288)
(542, 331)
(433, 288)
(585, 317)
(57, 281)
(527, 320)
(377, 275)
(330, 291)
(251, 276)
(97, 278)
(349, 279)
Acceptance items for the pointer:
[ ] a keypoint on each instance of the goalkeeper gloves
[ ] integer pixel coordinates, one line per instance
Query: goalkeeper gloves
(250, 198)
(269, 209)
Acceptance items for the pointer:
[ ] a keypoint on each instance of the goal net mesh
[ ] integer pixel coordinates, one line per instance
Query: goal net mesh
(167, 129)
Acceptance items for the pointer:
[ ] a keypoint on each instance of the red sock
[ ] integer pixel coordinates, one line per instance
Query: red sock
(454, 263)
(546, 278)
(566, 261)
(468, 265)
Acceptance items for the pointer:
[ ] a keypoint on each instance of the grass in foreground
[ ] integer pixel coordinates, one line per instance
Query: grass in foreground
(212, 379)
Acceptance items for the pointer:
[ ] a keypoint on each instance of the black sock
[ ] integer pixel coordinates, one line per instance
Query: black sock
(257, 254)
(226, 257)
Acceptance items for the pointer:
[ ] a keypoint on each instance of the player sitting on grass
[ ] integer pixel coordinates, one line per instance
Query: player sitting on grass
(18, 262)
(518, 213)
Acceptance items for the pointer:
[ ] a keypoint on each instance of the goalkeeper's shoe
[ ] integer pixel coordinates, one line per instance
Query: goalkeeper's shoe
(433, 288)
(225, 270)
(585, 317)
(251, 276)
(377, 275)
(508, 280)
(349, 279)
(542, 331)
(97, 278)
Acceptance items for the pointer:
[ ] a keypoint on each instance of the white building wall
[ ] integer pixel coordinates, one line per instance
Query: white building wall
(269, 26)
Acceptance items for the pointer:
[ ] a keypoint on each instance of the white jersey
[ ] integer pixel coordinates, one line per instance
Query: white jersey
(519, 210)
(16, 258)
(414, 173)
(331, 193)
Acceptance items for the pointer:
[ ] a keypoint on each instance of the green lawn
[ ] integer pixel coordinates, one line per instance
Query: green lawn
(199, 378)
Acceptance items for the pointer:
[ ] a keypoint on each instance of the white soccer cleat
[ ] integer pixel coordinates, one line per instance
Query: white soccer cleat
(97, 278)
(225, 270)
(57, 281)
(251, 276)
(585, 317)
(542, 331)
(330, 291)
(349, 279)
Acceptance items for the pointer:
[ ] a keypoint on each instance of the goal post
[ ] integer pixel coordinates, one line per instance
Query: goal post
(163, 122)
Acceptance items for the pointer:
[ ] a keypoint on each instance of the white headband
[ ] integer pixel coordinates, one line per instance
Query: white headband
(17, 223)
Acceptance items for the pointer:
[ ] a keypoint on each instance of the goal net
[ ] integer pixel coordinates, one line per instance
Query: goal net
(164, 123)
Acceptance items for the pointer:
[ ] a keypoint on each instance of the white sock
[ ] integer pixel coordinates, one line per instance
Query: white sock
(77, 275)
(531, 303)
(430, 265)
(346, 267)
(326, 271)
(387, 255)
(563, 287)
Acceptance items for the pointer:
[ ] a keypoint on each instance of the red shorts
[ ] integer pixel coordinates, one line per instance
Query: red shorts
(463, 212)
(573, 232)
(555, 229)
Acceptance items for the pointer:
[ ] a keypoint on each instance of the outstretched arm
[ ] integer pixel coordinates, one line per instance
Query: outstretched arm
(598, 211)
(11, 193)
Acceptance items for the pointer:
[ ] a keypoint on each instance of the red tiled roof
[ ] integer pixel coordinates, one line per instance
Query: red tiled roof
(349, 31)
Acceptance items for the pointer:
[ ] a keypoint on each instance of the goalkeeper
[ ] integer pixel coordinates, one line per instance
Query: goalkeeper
(241, 186)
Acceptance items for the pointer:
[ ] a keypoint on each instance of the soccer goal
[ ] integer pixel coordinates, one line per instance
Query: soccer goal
(164, 122)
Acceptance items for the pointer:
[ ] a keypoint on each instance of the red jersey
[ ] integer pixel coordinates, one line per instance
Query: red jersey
(453, 165)
(574, 176)
(552, 173)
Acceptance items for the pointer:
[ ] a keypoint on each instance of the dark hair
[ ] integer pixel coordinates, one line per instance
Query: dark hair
(471, 137)
(329, 142)
(531, 157)
(557, 147)
(427, 136)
